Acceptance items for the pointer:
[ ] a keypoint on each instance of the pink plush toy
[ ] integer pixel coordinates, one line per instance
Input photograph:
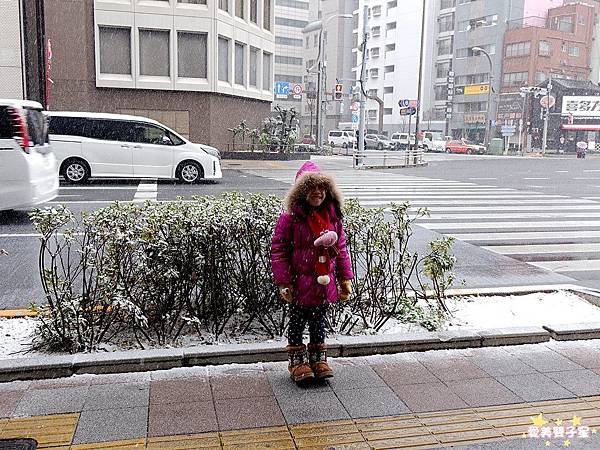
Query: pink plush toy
(327, 239)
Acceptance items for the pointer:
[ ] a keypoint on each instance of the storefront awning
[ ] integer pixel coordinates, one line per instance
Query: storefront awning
(580, 127)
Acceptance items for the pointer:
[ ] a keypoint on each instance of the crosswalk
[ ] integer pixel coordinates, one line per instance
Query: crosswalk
(554, 232)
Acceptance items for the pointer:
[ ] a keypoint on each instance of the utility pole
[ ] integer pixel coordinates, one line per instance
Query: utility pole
(420, 77)
(362, 96)
(545, 135)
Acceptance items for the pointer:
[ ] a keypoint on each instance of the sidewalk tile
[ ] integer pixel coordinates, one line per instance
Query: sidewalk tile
(178, 373)
(373, 402)
(111, 424)
(479, 424)
(8, 401)
(428, 397)
(187, 442)
(180, 391)
(534, 387)
(404, 442)
(502, 365)
(181, 418)
(584, 356)
(483, 392)
(267, 435)
(15, 386)
(48, 431)
(468, 435)
(119, 378)
(117, 445)
(394, 433)
(408, 372)
(122, 395)
(312, 407)
(451, 417)
(329, 440)
(249, 412)
(54, 383)
(579, 382)
(311, 429)
(284, 387)
(548, 361)
(354, 377)
(454, 369)
(41, 402)
(239, 386)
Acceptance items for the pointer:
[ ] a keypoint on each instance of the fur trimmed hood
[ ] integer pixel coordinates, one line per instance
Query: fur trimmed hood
(307, 177)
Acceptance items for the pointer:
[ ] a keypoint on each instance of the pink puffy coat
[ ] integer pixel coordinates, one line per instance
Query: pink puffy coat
(292, 248)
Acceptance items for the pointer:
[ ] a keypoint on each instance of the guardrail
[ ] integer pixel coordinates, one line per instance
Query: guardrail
(387, 158)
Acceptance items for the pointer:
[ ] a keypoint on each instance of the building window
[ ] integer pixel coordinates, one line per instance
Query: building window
(517, 49)
(573, 51)
(441, 91)
(253, 80)
(223, 59)
(445, 47)
(544, 48)
(191, 55)
(442, 69)
(478, 22)
(374, 73)
(193, 2)
(288, 60)
(267, 15)
(446, 23)
(388, 69)
(540, 77)
(372, 113)
(376, 11)
(240, 59)
(387, 111)
(154, 53)
(224, 5)
(315, 40)
(468, 52)
(288, 41)
(392, 4)
(390, 26)
(239, 8)
(115, 50)
(372, 93)
(374, 52)
(444, 4)
(292, 4)
(388, 90)
(267, 81)
(390, 47)
(474, 78)
(515, 78)
(563, 23)
(254, 11)
(376, 31)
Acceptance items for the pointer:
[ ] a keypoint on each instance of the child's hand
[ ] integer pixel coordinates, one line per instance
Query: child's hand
(345, 289)
(285, 290)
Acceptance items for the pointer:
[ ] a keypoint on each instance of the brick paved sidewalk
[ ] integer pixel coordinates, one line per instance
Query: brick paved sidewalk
(425, 400)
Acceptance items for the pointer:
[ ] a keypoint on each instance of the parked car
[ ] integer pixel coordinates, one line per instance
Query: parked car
(456, 146)
(402, 140)
(475, 148)
(341, 138)
(115, 145)
(27, 164)
(432, 141)
(307, 139)
(378, 142)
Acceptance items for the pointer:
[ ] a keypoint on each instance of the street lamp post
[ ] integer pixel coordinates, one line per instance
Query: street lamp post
(489, 96)
(321, 77)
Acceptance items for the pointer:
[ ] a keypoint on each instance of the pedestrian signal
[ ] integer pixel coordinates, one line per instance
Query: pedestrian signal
(338, 91)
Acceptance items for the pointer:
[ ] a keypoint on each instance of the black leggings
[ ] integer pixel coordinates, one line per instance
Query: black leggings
(315, 316)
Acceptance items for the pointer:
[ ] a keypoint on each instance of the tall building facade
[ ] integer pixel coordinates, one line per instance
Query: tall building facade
(291, 17)
(391, 69)
(334, 21)
(199, 66)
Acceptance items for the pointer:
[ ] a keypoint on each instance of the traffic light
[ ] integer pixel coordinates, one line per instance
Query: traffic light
(338, 91)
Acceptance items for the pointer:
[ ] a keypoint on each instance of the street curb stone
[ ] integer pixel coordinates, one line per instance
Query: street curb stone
(41, 367)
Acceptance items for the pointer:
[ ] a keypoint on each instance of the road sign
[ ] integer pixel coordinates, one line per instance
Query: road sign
(547, 101)
(459, 90)
(354, 118)
(282, 89)
(410, 111)
(403, 103)
(508, 130)
(355, 106)
(475, 89)
(297, 91)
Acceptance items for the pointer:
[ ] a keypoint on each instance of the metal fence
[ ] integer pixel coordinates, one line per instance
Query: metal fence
(387, 158)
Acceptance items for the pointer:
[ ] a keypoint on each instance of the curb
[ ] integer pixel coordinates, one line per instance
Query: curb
(343, 346)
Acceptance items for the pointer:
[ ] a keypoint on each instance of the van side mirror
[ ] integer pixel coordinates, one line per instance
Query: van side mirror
(166, 140)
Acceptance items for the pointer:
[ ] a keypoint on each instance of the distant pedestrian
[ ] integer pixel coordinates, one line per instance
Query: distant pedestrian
(310, 259)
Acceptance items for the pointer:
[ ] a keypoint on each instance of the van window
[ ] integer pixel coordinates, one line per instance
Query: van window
(149, 134)
(36, 126)
(335, 133)
(109, 130)
(67, 126)
(6, 125)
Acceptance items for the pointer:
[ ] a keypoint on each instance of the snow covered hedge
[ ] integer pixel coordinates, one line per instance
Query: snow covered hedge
(159, 270)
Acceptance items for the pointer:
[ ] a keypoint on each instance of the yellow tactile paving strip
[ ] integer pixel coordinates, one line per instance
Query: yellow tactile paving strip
(426, 430)
(15, 313)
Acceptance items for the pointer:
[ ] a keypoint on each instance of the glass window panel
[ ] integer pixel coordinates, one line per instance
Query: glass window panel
(191, 55)
(239, 8)
(223, 59)
(224, 5)
(267, 82)
(253, 67)
(115, 50)
(254, 11)
(239, 63)
(267, 14)
(154, 53)
(193, 2)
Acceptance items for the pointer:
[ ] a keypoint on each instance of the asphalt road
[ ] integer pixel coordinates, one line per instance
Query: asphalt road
(556, 182)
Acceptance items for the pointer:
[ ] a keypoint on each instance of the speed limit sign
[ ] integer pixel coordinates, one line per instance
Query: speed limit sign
(297, 91)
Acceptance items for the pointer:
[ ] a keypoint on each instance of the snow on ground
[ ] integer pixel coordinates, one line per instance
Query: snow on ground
(471, 312)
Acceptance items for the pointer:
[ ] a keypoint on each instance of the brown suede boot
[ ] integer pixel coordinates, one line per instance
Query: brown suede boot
(298, 366)
(317, 354)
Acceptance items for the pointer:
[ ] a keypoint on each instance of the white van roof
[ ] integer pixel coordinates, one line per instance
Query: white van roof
(97, 115)
(20, 103)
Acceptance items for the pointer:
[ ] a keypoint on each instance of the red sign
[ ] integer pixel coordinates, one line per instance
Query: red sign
(48, 68)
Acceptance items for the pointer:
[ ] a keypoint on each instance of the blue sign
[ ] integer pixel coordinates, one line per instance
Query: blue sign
(403, 103)
(282, 89)
(354, 118)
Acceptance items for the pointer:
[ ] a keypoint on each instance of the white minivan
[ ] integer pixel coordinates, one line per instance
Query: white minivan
(28, 174)
(339, 138)
(120, 146)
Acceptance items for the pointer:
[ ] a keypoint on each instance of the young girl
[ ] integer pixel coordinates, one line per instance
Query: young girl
(309, 259)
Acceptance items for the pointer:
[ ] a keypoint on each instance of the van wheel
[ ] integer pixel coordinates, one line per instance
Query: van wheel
(331, 144)
(189, 172)
(344, 145)
(75, 171)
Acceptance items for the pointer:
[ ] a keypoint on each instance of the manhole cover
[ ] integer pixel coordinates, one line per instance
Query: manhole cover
(18, 444)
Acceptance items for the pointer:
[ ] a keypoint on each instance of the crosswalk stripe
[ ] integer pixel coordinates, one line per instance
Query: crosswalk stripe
(544, 248)
(511, 225)
(589, 265)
